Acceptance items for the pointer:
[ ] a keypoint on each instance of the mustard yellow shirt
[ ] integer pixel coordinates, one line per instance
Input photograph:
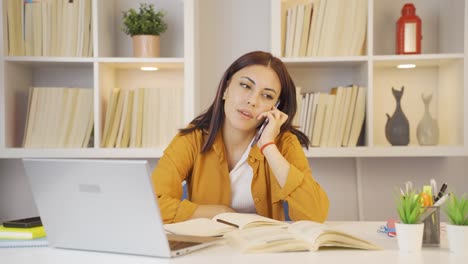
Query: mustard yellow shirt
(208, 180)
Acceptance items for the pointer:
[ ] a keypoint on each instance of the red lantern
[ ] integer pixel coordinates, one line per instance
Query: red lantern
(408, 35)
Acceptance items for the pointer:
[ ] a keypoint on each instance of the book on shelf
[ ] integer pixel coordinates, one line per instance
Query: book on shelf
(296, 121)
(110, 114)
(221, 224)
(297, 236)
(359, 115)
(313, 113)
(137, 118)
(124, 143)
(22, 233)
(344, 115)
(338, 92)
(327, 120)
(319, 118)
(349, 115)
(298, 30)
(306, 29)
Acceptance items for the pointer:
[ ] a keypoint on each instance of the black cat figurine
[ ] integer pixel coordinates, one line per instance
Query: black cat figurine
(397, 128)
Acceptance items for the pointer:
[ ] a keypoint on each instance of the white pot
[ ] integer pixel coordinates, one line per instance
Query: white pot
(409, 237)
(457, 237)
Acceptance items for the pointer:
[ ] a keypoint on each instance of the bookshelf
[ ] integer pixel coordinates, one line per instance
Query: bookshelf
(440, 68)
(111, 65)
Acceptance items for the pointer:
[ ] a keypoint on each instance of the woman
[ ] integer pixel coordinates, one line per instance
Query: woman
(225, 169)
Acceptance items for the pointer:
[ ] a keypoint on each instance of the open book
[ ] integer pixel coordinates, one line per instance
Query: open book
(298, 236)
(221, 224)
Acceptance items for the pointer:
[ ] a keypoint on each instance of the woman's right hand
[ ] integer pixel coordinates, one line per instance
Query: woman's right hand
(208, 211)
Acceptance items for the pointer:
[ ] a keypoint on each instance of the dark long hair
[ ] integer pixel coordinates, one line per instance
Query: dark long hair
(211, 120)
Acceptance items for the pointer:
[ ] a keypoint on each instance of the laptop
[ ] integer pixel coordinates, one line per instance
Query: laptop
(103, 205)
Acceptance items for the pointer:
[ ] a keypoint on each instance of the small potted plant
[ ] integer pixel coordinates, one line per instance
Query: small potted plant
(145, 27)
(409, 230)
(456, 209)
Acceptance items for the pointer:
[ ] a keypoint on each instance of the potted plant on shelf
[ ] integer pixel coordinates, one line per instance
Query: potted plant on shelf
(457, 231)
(145, 28)
(409, 230)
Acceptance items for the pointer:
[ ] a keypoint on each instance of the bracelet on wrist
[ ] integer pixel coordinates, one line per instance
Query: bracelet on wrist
(266, 145)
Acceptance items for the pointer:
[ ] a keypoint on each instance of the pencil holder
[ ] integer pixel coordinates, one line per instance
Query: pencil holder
(431, 234)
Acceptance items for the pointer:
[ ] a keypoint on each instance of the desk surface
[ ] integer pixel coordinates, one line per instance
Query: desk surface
(223, 254)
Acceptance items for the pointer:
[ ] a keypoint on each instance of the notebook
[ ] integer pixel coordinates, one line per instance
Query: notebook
(103, 205)
(10, 243)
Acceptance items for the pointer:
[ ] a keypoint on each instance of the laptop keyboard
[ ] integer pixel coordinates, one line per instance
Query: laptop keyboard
(176, 245)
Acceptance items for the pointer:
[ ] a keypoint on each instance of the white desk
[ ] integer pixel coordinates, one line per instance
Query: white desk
(224, 254)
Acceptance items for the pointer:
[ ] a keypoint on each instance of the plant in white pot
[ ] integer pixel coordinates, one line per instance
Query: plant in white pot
(456, 209)
(145, 28)
(409, 230)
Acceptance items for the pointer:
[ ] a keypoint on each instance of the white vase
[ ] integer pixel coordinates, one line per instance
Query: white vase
(409, 236)
(457, 237)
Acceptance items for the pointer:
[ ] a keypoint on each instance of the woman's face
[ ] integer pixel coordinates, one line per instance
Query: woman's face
(251, 91)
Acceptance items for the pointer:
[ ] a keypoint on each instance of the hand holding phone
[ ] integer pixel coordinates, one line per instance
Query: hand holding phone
(262, 127)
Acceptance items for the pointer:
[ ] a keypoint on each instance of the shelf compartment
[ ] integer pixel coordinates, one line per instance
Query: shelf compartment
(21, 75)
(113, 42)
(443, 25)
(443, 77)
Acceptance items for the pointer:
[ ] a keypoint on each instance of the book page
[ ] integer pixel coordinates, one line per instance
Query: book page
(199, 227)
(322, 235)
(266, 239)
(242, 221)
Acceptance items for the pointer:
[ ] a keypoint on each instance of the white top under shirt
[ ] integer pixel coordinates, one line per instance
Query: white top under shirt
(241, 180)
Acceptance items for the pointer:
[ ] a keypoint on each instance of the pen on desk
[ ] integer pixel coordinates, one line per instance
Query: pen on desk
(442, 199)
(441, 192)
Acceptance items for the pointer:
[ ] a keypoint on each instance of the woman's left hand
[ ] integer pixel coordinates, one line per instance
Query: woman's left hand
(276, 119)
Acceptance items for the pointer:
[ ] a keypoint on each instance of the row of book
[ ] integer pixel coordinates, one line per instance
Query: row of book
(323, 27)
(143, 117)
(333, 119)
(49, 28)
(59, 117)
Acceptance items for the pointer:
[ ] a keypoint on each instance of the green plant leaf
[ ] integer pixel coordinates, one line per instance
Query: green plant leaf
(144, 22)
(456, 209)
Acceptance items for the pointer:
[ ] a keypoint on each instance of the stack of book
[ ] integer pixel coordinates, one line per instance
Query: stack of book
(333, 119)
(323, 27)
(22, 237)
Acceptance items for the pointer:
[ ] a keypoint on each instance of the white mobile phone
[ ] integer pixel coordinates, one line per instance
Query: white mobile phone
(262, 127)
